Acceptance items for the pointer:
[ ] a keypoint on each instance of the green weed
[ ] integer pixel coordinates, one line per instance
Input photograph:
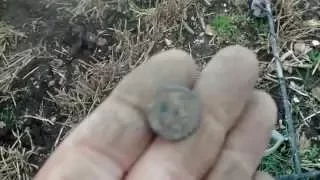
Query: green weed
(278, 163)
(314, 56)
(260, 26)
(310, 158)
(6, 116)
(224, 26)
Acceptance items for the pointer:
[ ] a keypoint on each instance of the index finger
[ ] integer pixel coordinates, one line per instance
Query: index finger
(115, 134)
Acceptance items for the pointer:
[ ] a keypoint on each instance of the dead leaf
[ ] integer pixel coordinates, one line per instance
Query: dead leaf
(300, 48)
(313, 23)
(316, 92)
(304, 142)
(209, 30)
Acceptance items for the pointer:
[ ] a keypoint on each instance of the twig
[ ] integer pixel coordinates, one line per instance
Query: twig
(311, 116)
(188, 28)
(39, 118)
(316, 68)
(207, 2)
(57, 141)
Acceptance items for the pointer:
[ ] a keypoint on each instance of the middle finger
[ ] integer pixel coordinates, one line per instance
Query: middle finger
(224, 88)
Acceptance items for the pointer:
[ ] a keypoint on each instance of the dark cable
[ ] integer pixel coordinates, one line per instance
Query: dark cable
(313, 174)
(283, 88)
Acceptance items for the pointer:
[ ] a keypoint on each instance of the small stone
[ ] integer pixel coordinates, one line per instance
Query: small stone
(53, 119)
(101, 41)
(168, 42)
(316, 93)
(2, 125)
(296, 99)
(300, 48)
(209, 30)
(51, 83)
(175, 113)
(91, 37)
(315, 43)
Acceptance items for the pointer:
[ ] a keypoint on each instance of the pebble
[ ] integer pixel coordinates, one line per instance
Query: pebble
(315, 43)
(209, 30)
(168, 42)
(175, 114)
(51, 83)
(101, 41)
(300, 48)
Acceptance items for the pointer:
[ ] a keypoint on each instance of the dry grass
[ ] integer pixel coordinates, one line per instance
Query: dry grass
(15, 160)
(134, 44)
(14, 64)
(8, 64)
(8, 38)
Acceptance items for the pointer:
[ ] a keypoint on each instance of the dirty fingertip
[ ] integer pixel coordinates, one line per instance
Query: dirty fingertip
(262, 176)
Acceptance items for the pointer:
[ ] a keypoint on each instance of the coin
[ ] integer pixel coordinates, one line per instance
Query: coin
(175, 113)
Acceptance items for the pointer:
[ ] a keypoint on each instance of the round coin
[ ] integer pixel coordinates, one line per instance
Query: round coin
(175, 113)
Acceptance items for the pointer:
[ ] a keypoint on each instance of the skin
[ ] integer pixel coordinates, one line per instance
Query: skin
(115, 143)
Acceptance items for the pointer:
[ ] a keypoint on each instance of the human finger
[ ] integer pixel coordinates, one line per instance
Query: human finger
(109, 140)
(262, 176)
(247, 141)
(223, 87)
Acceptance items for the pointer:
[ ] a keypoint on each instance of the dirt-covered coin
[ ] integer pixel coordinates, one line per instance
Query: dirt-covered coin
(175, 113)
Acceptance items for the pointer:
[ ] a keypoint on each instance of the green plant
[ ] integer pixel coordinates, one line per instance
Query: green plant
(278, 163)
(314, 56)
(223, 26)
(6, 116)
(310, 157)
(259, 25)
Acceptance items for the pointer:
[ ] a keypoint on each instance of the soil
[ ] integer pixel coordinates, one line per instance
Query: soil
(46, 27)
(59, 43)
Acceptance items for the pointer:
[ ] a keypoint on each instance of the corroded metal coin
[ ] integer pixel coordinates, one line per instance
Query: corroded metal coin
(175, 113)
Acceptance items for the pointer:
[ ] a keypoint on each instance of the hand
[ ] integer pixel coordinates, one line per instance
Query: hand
(115, 143)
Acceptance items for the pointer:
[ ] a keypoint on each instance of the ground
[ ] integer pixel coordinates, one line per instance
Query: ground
(60, 58)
